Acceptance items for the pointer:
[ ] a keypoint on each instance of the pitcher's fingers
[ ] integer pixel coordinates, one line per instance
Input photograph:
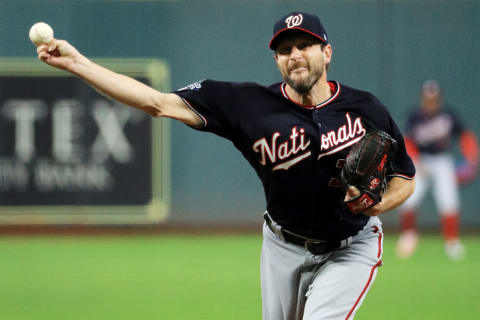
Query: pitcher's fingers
(42, 48)
(43, 56)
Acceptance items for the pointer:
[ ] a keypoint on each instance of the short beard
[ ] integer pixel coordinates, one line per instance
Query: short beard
(305, 85)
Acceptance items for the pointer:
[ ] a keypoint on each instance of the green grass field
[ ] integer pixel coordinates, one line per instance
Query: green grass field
(206, 277)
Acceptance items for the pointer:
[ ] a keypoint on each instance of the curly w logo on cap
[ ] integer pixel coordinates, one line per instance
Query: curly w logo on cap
(294, 21)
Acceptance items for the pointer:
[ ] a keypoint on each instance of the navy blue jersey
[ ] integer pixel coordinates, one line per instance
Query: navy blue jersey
(434, 133)
(296, 150)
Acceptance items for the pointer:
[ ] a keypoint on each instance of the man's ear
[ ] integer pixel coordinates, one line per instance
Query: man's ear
(327, 53)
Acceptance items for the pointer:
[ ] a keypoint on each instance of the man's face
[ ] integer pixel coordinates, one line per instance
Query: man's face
(431, 100)
(301, 60)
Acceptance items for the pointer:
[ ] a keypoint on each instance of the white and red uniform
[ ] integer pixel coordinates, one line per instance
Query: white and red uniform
(429, 139)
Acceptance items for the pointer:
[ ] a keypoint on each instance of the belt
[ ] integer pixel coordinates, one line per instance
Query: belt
(316, 247)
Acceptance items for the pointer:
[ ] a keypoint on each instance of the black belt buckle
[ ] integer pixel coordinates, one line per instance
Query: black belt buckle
(320, 247)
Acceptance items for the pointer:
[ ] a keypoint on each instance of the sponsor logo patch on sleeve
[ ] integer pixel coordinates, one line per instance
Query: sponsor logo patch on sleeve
(194, 86)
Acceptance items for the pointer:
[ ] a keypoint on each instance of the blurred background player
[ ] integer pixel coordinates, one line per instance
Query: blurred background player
(431, 130)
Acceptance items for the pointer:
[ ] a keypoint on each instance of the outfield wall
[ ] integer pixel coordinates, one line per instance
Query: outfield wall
(386, 47)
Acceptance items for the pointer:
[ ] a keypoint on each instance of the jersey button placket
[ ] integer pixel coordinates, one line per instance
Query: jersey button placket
(316, 119)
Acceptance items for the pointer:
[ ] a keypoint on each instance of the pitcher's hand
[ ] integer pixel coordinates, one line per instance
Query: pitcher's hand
(59, 54)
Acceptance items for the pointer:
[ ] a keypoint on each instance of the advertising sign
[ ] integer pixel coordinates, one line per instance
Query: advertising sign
(71, 155)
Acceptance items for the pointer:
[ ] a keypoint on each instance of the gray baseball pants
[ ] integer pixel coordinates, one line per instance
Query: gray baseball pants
(297, 285)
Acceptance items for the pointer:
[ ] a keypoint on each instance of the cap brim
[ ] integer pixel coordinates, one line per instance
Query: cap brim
(271, 45)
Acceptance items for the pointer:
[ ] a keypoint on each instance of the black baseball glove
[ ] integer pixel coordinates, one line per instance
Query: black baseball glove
(365, 169)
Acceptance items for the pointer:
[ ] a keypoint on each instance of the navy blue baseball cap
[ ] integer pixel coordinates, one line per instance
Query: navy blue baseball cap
(302, 21)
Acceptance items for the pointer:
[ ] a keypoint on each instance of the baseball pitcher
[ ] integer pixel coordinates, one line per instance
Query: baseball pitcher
(322, 238)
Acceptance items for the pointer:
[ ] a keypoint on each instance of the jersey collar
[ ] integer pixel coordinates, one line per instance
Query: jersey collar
(334, 87)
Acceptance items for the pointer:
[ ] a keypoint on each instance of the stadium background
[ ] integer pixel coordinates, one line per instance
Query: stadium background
(386, 47)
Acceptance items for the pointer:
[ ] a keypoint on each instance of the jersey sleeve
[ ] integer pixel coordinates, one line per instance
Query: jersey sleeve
(209, 99)
(401, 165)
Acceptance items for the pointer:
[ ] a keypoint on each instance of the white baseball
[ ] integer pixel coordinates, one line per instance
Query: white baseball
(40, 33)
